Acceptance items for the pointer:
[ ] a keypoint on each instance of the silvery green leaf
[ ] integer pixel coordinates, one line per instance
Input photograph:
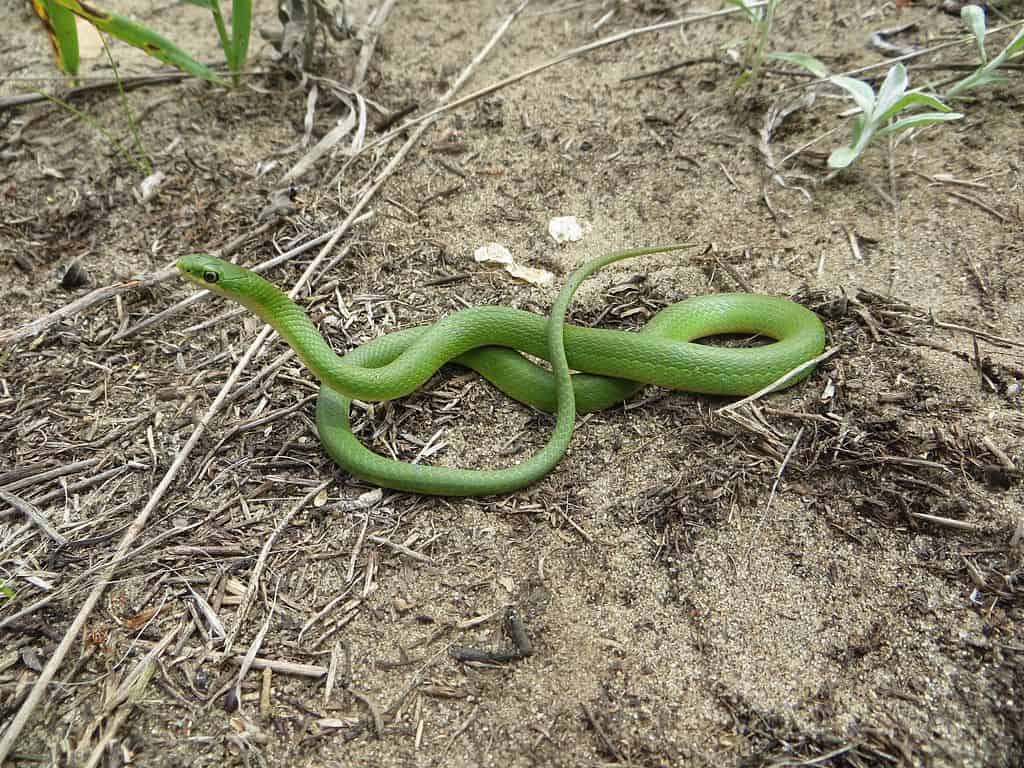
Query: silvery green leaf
(811, 64)
(894, 86)
(1014, 49)
(979, 78)
(989, 78)
(974, 19)
(912, 99)
(842, 157)
(859, 123)
(861, 92)
(1016, 46)
(917, 121)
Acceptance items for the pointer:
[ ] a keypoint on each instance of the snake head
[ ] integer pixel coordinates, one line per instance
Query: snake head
(210, 272)
(233, 282)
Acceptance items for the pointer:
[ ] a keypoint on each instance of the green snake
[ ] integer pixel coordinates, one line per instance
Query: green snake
(612, 365)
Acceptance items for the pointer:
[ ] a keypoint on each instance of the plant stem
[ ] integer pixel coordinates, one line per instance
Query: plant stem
(225, 41)
(764, 27)
(140, 150)
(96, 126)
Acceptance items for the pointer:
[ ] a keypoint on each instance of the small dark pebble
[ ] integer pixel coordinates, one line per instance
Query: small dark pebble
(230, 701)
(72, 276)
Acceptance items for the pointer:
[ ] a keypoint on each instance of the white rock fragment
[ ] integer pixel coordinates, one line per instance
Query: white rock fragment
(496, 253)
(493, 252)
(565, 229)
(148, 186)
(531, 275)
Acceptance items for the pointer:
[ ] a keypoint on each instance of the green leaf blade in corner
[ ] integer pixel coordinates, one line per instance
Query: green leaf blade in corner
(241, 25)
(141, 37)
(60, 27)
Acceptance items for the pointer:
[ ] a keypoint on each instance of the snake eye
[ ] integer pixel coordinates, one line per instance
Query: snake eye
(210, 276)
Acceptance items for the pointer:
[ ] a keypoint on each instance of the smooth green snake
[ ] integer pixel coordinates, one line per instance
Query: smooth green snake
(612, 364)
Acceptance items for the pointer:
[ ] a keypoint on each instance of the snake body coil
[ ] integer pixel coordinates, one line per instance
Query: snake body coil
(612, 364)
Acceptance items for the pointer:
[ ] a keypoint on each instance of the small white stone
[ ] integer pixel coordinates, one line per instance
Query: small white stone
(493, 252)
(565, 229)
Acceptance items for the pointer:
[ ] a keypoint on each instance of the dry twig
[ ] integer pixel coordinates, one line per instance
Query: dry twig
(261, 562)
(781, 381)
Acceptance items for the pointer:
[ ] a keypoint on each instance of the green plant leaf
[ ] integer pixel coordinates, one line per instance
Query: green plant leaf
(141, 37)
(917, 121)
(973, 18)
(893, 88)
(1012, 50)
(6, 591)
(811, 64)
(60, 27)
(989, 78)
(222, 32)
(1016, 46)
(842, 157)
(863, 130)
(910, 100)
(861, 92)
(859, 124)
(241, 24)
(982, 76)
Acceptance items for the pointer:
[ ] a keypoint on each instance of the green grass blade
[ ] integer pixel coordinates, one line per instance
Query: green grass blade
(241, 25)
(222, 32)
(141, 37)
(60, 27)
(742, 5)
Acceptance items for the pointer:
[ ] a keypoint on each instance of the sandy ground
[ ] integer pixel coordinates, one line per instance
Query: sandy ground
(831, 577)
